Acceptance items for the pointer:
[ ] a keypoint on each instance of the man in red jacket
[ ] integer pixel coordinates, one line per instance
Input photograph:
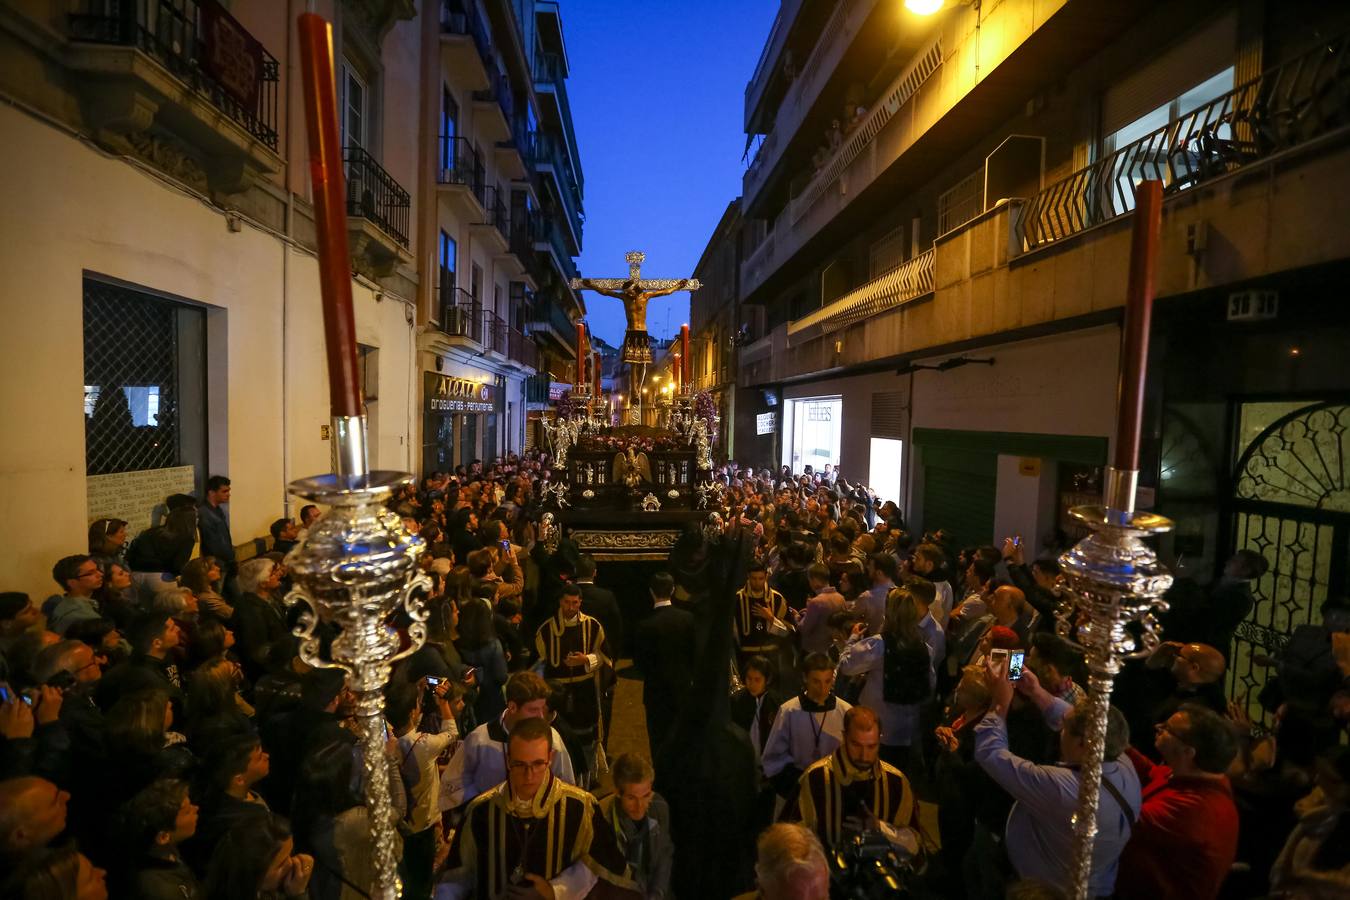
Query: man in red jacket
(1185, 839)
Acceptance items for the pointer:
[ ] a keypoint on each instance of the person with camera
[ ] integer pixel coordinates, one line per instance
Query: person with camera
(420, 777)
(853, 792)
(1039, 835)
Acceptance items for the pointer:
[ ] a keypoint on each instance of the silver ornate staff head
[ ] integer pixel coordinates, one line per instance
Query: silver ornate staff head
(356, 568)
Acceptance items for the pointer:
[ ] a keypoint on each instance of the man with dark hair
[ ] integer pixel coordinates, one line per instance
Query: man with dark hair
(930, 563)
(214, 526)
(1185, 840)
(663, 650)
(230, 770)
(153, 638)
(154, 823)
(572, 649)
(853, 790)
(1230, 600)
(1057, 664)
(825, 600)
(480, 762)
(760, 617)
(808, 727)
(600, 604)
(309, 514)
(285, 535)
(419, 777)
(755, 706)
(882, 573)
(79, 577)
(533, 835)
(1039, 834)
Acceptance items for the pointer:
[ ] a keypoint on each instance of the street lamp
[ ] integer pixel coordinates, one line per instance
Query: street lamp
(923, 7)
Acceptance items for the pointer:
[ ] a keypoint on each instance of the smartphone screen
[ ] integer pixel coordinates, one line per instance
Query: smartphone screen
(5, 695)
(433, 681)
(1015, 664)
(506, 545)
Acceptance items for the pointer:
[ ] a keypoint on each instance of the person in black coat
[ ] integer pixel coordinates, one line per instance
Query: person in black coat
(663, 651)
(259, 622)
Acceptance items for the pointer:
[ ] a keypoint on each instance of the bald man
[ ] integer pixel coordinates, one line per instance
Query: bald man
(1197, 671)
(32, 813)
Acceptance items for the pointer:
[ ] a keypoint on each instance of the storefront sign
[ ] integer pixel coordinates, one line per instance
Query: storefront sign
(765, 424)
(556, 389)
(446, 394)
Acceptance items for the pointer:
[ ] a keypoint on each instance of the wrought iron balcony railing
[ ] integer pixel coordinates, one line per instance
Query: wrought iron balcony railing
(546, 313)
(373, 194)
(461, 314)
(499, 90)
(459, 163)
(199, 43)
(462, 17)
(1288, 105)
(548, 68)
(494, 212)
(536, 388)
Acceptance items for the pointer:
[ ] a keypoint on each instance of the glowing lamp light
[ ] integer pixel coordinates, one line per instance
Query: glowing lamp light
(923, 7)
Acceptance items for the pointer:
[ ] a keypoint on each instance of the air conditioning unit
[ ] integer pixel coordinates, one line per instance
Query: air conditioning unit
(1253, 306)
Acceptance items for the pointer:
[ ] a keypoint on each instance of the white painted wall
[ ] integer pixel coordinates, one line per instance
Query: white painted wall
(68, 209)
(1025, 504)
(855, 443)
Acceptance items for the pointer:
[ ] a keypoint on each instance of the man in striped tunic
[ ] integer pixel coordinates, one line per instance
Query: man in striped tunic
(533, 835)
(572, 649)
(853, 790)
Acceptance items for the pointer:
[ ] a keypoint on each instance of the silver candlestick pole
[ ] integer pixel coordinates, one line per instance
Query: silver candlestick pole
(1114, 580)
(355, 569)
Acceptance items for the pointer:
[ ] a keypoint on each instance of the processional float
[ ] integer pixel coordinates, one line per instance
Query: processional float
(1116, 583)
(356, 570)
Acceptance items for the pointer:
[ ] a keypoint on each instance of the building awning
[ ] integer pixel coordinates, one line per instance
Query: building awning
(900, 285)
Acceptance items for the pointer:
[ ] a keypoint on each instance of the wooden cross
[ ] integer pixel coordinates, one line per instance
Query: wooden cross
(635, 260)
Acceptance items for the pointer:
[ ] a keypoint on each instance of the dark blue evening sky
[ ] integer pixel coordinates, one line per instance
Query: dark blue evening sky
(657, 90)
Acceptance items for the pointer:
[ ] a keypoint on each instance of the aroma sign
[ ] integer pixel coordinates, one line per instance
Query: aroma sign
(446, 394)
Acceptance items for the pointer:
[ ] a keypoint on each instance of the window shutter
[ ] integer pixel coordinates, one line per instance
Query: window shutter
(888, 415)
(1205, 53)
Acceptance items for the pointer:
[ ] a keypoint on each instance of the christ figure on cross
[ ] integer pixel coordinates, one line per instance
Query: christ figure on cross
(635, 291)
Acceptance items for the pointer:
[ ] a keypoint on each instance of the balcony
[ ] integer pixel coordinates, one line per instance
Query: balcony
(494, 228)
(494, 107)
(461, 316)
(509, 343)
(836, 37)
(466, 51)
(461, 176)
(184, 69)
(548, 157)
(1284, 107)
(512, 153)
(379, 212)
(536, 392)
(548, 320)
(549, 240)
(909, 281)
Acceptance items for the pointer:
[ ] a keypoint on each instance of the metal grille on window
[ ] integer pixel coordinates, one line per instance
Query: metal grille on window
(131, 395)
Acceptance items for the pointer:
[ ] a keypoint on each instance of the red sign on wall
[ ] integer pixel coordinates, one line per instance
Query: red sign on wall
(231, 55)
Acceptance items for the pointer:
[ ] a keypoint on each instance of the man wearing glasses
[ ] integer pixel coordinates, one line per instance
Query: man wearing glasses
(534, 835)
(79, 576)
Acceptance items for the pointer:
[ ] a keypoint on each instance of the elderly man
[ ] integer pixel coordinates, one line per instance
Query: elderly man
(1039, 835)
(790, 864)
(32, 813)
(534, 835)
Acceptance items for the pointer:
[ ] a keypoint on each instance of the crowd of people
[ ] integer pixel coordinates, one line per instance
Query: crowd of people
(834, 706)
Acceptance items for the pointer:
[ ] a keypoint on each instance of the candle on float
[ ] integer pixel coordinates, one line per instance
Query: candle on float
(686, 366)
(1138, 314)
(581, 354)
(330, 214)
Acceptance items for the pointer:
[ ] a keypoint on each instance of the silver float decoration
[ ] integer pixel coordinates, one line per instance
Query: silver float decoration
(355, 569)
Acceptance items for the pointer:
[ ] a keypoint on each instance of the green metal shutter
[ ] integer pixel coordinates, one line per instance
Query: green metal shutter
(959, 488)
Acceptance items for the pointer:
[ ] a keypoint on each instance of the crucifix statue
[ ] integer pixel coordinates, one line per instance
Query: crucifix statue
(635, 291)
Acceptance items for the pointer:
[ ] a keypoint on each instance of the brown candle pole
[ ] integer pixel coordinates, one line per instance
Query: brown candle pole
(356, 569)
(580, 380)
(686, 365)
(1113, 577)
(330, 222)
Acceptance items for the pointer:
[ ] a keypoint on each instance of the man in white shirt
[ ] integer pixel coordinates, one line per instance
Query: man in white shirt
(420, 778)
(480, 762)
(808, 727)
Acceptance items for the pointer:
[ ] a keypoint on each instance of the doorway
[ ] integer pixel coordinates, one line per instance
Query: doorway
(816, 428)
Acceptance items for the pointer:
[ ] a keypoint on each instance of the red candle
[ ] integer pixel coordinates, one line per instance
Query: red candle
(595, 369)
(1138, 313)
(330, 214)
(581, 354)
(686, 365)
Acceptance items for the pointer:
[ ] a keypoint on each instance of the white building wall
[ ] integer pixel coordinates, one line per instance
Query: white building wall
(69, 209)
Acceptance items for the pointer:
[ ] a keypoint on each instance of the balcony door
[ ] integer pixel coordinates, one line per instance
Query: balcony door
(355, 104)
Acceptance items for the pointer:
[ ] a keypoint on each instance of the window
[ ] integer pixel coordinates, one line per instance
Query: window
(354, 102)
(884, 467)
(449, 129)
(1168, 113)
(446, 258)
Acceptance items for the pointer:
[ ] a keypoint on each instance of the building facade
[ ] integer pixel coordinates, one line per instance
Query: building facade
(937, 220)
(714, 322)
(160, 248)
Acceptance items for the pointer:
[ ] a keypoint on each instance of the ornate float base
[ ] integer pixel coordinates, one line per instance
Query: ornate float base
(616, 535)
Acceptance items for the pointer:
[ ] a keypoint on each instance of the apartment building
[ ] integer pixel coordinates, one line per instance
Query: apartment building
(714, 324)
(162, 307)
(938, 220)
